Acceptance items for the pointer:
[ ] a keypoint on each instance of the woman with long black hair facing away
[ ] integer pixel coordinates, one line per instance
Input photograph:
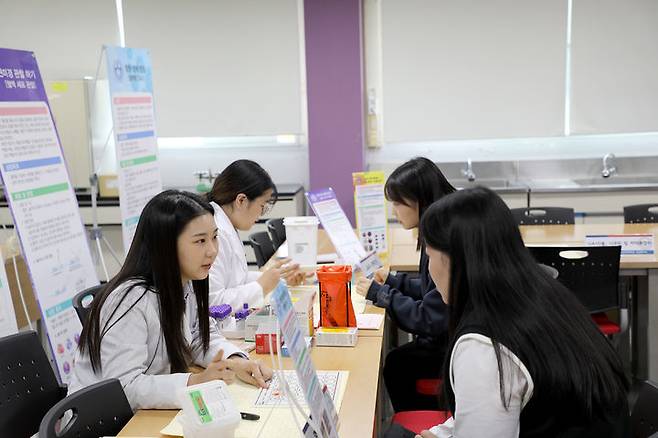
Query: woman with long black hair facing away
(525, 358)
(241, 194)
(413, 303)
(150, 322)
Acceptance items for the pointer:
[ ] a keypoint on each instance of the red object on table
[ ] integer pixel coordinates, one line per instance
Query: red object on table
(336, 296)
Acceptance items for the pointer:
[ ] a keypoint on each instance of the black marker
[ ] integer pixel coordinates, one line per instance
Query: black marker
(248, 416)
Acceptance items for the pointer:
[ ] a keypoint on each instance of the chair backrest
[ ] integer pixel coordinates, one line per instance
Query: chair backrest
(644, 418)
(262, 245)
(28, 386)
(277, 231)
(641, 213)
(101, 409)
(590, 272)
(81, 305)
(544, 216)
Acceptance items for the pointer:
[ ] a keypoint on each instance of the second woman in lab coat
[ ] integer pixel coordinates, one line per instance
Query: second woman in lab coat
(241, 194)
(150, 322)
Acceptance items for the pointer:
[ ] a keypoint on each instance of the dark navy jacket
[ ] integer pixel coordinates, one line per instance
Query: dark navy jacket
(414, 304)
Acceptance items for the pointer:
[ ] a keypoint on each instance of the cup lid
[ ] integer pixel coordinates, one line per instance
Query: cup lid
(300, 220)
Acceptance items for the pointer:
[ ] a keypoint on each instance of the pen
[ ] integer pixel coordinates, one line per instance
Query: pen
(248, 416)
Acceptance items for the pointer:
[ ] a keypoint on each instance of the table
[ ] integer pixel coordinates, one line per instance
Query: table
(325, 247)
(405, 257)
(359, 411)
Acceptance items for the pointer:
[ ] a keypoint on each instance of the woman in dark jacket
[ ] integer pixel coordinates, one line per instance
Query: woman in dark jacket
(412, 302)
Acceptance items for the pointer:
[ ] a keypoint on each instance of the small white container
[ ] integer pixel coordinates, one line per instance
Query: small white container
(302, 238)
(231, 330)
(208, 411)
(336, 336)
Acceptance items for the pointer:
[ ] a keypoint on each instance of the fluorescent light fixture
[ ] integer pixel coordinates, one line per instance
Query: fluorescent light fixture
(228, 142)
(122, 32)
(286, 139)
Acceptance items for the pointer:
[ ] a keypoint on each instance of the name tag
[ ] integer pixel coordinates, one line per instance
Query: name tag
(631, 244)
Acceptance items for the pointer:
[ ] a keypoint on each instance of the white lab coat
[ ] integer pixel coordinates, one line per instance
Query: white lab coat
(231, 282)
(133, 350)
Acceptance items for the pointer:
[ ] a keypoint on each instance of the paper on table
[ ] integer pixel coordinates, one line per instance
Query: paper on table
(369, 321)
(275, 396)
(280, 421)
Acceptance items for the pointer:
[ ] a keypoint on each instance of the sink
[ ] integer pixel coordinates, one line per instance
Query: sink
(487, 182)
(617, 180)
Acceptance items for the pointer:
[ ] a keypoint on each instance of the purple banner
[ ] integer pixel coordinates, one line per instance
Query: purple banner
(20, 80)
(320, 195)
(42, 203)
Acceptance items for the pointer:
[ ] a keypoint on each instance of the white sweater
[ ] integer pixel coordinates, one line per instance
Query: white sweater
(474, 376)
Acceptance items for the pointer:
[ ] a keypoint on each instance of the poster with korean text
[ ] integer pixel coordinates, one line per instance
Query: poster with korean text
(131, 97)
(42, 203)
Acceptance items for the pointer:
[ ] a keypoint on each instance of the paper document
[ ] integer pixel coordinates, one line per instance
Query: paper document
(275, 396)
(369, 321)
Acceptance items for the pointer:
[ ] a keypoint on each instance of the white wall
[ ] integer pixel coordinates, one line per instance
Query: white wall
(472, 69)
(285, 164)
(66, 36)
(487, 80)
(221, 68)
(615, 64)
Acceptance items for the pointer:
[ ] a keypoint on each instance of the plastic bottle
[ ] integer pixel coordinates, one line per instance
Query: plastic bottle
(221, 314)
(241, 317)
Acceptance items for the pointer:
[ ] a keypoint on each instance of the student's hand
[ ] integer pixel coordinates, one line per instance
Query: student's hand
(250, 371)
(381, 275)
(217, 369)
(362, 286)
(426, 434)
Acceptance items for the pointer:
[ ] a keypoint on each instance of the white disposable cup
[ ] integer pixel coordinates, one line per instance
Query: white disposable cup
(302, 238)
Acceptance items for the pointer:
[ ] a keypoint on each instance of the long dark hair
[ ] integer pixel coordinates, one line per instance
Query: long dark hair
(418, 180)
(241, 176)
(495, 283)
(152, 262)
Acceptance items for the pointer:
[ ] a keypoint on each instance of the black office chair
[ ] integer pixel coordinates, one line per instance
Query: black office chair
(644, 416)
(28, 386)
(641, 213)
(101, 409)
(544, 216)
(262, 245)
(82, 305)
(277, 231)
(592, 273)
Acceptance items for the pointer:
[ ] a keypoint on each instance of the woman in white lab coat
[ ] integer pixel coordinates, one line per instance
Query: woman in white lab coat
(241, 194)
(150, 322)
